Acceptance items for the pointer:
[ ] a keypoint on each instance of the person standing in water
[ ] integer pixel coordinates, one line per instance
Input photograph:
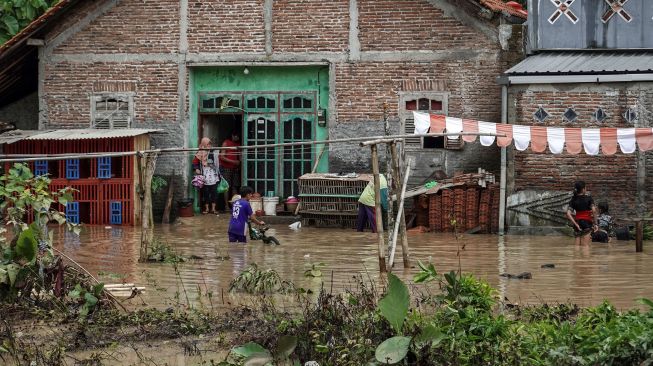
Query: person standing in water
(206, 164)
(230, 165)
(585, 219)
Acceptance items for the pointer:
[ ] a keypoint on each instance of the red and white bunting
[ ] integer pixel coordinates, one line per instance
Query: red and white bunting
(591, 140)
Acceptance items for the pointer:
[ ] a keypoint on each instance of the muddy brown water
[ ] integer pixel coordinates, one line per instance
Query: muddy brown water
(585, 276)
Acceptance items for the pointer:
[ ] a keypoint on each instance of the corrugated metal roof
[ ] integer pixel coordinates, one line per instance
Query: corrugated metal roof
(81, 134)
(585, 63)
(10, 137)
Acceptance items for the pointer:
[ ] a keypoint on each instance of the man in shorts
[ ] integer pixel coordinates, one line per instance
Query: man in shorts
(241, 213)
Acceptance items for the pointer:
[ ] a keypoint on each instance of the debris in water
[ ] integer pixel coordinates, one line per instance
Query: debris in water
(521, 276)
(548, 265)
(295, 225)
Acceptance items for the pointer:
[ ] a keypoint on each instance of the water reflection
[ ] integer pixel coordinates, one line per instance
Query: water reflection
(583, 275)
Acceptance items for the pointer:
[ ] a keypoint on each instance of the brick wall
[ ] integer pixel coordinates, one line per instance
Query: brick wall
(68, 87)
(412, 25)
(363, 87)
(143, 26)
(221, 26)
(310, 25)
(612, 178)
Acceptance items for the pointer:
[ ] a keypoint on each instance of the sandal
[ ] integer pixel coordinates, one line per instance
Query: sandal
(205, 212)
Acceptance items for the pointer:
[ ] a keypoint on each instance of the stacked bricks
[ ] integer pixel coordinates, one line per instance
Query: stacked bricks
(459, 208)
(484, 211)
(435, 212)
(494, 208)
(471, 208)
(447, 209)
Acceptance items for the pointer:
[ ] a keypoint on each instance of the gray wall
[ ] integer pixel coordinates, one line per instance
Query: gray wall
(23, 113)
(590, 31)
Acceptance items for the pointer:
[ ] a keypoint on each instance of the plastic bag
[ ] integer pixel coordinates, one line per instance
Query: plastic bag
(223, 186)
(198, 181)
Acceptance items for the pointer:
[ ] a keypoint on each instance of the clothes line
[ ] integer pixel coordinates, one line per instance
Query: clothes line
(8, 158)
(592, 140)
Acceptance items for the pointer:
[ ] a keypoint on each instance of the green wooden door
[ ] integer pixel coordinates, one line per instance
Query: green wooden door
(276, 117)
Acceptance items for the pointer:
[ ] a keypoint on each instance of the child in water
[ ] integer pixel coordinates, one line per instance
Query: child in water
(241, 213)
(585, 219)
(606, 225)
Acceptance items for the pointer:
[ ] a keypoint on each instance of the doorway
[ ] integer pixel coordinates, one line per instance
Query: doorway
(218, 128)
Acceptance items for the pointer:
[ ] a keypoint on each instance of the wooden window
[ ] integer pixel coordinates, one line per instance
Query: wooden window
(427, 102)
(111, 111)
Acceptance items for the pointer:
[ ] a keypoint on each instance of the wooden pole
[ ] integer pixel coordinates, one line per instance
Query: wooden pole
(402, 220)
(639, 236)
(148, 166)
(390, 176)
(168, 207)
(400, 214)
(377, 204)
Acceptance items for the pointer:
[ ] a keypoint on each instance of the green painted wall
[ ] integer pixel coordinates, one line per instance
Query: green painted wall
(303, 78)
(260, 78)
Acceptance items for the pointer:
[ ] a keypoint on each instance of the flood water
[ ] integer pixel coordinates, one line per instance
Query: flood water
(585, 276)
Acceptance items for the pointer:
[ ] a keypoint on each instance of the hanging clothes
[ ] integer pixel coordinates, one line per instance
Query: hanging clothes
(506, 130)
(538, 139)
(438, 123)
(608, 141)
(574, 140)
(555, 137)
(522, 137)
(470, 126)
(591, 140)
(644, 138)
(626, 139)
(487, 127)
(422, 123)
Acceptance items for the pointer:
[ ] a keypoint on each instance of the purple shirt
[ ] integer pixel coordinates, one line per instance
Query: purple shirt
(240, 213)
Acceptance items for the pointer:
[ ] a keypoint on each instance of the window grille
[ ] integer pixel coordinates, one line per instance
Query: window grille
(110, 111)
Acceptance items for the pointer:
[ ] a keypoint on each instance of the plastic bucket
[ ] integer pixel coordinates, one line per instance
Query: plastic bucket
(270, 205)
(256, 204)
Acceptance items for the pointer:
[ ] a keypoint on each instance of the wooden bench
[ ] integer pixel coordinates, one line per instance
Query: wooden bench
(639, 231)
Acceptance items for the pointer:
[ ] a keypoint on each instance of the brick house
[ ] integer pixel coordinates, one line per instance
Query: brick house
(589, 66)
(276, 71)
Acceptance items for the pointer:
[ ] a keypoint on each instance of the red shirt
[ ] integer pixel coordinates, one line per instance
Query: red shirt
(230, 154)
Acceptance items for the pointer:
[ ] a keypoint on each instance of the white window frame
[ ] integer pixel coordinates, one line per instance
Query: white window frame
(110, 116)
(404, 114)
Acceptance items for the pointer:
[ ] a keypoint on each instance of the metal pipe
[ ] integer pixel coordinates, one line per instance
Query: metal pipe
(504, 161)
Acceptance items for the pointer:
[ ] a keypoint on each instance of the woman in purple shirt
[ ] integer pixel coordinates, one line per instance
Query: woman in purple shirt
(241, 213)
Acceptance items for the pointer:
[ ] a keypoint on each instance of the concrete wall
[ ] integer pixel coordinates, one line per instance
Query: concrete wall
(23, 113)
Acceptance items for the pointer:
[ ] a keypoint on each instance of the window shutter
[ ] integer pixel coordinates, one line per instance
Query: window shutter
(409, 128)
(121, 122)
(452, 143)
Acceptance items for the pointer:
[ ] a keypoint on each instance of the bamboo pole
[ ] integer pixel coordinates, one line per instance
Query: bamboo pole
(402, 220)
(168, 206)
(377, 206)
(8, 158)
(390, 175)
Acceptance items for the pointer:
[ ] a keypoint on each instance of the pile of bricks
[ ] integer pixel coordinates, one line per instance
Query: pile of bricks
(468, 206)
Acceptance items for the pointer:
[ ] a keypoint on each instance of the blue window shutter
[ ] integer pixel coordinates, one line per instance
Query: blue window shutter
(104, 168)
(72, 169)
(116, 213)
(72, 212)
(40, 167)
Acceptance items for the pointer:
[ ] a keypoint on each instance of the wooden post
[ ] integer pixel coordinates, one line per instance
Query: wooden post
(393, 183)
(148, 165)
(402, 220)
(639, 236)
(168, 207)
(377, 204)
(400, 214)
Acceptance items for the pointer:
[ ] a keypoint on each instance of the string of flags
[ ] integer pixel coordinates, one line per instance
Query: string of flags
(592, 140)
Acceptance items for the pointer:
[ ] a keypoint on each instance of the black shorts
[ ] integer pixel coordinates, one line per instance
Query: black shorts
(585, 228)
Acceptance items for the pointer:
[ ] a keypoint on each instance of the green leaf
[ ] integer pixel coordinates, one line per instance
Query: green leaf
(286, 346)
(249, 349)
(392, 350)
(4, 277)
(27, 246)
(10, 23)
(97, 289)
(91, 300)
(76, 293)
(429, 335)
(258, 359)
(12, 272)
(645, 301)
(394, 305)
